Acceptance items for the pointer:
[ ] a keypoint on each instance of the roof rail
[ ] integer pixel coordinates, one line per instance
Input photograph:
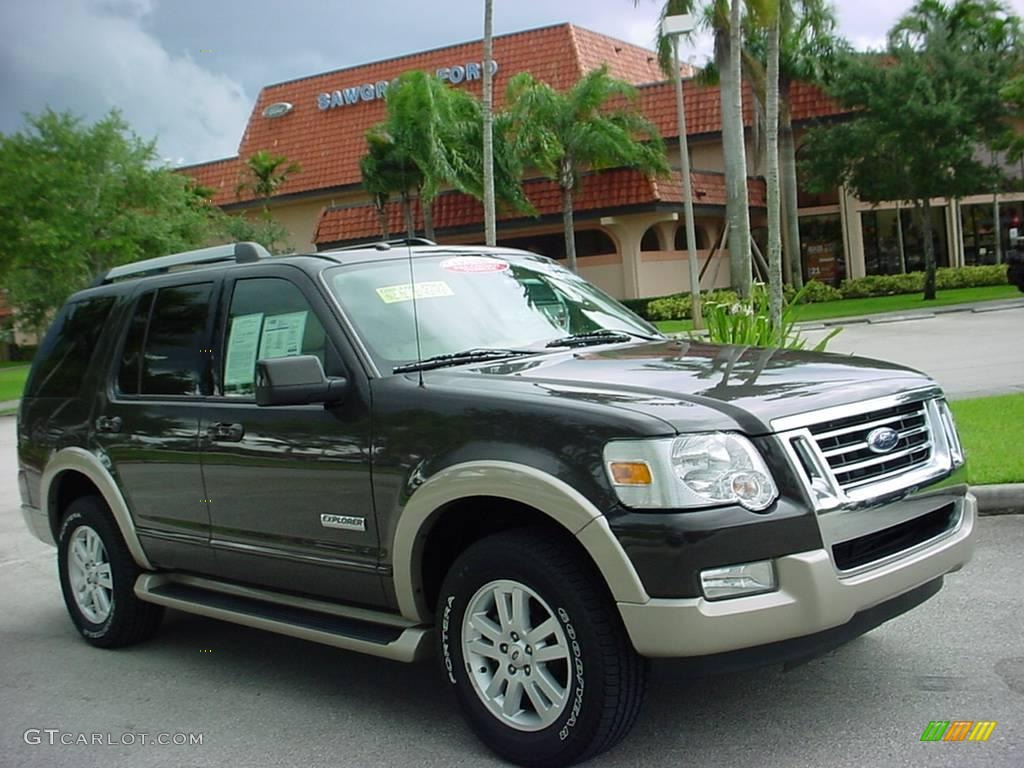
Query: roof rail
(240, 253)
(384, 245)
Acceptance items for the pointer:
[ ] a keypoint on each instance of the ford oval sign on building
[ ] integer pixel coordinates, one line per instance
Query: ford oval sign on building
(278, 109)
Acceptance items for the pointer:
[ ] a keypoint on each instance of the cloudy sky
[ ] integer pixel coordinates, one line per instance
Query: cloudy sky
(188, 71)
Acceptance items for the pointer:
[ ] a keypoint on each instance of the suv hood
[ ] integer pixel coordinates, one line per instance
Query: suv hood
(694, 386)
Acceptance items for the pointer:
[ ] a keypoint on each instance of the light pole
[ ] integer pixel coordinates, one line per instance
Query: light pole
(672, 27)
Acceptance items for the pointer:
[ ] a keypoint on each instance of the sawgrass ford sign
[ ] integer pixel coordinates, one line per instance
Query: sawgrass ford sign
(344, 97)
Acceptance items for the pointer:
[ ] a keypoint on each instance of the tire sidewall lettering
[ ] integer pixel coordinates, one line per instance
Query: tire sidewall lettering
(578, 688)
(445, 639)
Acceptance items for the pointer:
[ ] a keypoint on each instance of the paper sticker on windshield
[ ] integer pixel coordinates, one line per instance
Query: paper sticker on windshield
(392, 294)
(473, 264)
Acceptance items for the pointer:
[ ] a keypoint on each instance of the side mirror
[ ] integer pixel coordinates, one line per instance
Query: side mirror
(296, 381)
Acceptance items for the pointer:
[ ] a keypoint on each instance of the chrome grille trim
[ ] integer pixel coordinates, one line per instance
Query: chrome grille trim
(825, 476)
(844, 468)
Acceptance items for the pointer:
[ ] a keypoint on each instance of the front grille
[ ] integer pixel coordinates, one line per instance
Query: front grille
(843, 443)
(875, 546)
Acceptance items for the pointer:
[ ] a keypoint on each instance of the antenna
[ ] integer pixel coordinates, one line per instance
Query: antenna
(415, 310)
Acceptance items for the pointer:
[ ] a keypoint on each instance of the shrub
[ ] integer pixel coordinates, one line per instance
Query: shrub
(679, 306)
(913, 282)
(813, 292)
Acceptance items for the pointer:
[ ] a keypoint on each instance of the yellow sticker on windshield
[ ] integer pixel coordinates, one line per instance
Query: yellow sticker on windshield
(393, 294)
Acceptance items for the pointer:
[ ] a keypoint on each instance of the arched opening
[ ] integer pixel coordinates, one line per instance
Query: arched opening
(700, 236)
(650, 241)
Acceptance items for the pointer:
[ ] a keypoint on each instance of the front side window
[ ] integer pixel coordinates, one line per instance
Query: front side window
(164, 351)
(463, 302)
(269, 318)
(68, 347)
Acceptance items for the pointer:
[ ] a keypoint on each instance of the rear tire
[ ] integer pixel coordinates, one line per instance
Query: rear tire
(97, 577)
(523, 614)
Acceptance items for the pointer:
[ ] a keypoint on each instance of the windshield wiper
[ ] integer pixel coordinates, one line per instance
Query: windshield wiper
(459, 358)
(603, 336)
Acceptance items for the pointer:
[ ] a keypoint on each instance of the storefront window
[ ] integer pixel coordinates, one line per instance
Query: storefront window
(886, 235)
(821, 248)
(980, 235)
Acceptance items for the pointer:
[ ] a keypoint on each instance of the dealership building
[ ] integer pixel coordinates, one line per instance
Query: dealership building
(629, 229)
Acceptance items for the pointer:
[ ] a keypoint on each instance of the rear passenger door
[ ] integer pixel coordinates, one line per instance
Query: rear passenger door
(148, 420)
(291, 502)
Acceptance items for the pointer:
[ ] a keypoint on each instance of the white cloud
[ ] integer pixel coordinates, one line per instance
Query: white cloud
(92, 55)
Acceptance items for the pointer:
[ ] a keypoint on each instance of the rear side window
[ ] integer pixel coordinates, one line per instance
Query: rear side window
(63, 357)
(164, 349)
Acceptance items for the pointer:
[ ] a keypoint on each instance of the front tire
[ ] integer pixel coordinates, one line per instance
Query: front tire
(536, 652)
(97, 577)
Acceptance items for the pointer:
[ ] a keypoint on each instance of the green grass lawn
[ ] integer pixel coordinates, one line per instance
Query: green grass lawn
(12, 381)
(856, 307)
(992, 431)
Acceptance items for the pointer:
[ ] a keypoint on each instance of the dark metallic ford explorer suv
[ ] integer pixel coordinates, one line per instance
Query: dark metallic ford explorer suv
(402, 449)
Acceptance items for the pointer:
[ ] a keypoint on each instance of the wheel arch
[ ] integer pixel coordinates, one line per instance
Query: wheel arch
(73, 472)
(517, 490)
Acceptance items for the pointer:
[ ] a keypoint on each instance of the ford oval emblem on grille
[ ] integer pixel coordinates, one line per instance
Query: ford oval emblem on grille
(883, 439)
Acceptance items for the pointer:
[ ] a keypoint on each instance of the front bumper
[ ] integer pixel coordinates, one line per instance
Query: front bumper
(812, 597)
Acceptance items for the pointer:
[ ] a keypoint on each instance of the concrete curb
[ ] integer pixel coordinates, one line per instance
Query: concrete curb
(1001, 499)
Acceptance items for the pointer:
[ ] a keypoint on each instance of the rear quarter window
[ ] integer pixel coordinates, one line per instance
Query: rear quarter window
(63, 358)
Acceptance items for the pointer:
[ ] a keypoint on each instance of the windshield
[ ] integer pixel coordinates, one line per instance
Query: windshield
(506, 301)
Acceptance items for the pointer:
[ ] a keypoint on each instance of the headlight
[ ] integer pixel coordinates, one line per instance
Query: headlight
(698, 470)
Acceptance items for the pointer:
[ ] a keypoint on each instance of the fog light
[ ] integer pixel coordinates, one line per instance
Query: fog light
(738, 580)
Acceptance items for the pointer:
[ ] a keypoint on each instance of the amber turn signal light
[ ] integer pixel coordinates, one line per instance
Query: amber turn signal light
(630, 473)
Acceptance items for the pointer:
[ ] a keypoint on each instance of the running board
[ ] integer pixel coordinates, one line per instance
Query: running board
(353, 629)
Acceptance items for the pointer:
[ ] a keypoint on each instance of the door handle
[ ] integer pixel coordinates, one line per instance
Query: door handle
(108, 424)
(225, 432)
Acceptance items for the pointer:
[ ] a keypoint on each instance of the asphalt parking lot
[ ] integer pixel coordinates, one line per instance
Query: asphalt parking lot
(262, 700)
(971, 354)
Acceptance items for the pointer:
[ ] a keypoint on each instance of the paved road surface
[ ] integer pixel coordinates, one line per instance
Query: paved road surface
(971, 354)
(262, 700)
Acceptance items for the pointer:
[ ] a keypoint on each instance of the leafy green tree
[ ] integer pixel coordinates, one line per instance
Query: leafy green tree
(1013, 140)
(77, 199)
(263, 175)
(564, 133)
(921, 112)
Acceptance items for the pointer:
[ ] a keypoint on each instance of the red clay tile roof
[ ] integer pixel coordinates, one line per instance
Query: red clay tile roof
(809, 101)
(328, 143)
(607, 190)
(222, 176)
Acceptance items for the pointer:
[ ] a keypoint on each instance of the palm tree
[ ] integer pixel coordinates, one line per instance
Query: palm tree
(264, 175)
(563, 133)
(490, 223)
(808, 46)
(719, 15)
(387, 169)
(772, 140)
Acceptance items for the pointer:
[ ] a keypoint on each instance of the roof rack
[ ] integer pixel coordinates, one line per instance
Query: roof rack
(240, 253)
(384, 245)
